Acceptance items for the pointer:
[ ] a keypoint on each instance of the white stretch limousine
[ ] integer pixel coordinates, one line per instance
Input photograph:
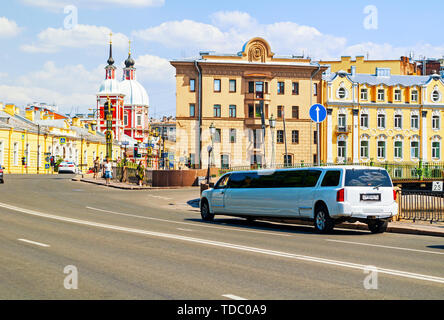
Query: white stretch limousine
(327, 196)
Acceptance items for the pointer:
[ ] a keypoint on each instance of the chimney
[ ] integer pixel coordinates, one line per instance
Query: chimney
(30, 115)
(10, 109)
(76, 122)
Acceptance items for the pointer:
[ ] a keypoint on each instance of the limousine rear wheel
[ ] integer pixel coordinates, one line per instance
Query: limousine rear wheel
(205, 211)
(323, 223)
(378, 226)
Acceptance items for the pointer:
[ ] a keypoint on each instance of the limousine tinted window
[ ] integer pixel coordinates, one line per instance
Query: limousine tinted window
(331, 179)
(367, 178)
(312, 178)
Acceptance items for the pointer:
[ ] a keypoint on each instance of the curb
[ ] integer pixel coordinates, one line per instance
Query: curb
(129, 187)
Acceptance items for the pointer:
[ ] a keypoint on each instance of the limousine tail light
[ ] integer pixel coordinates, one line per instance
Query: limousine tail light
(340, 197)
(395, 195)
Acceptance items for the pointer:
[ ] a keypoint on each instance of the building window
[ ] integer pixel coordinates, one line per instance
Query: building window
(225, 161)
(414, 96)
(280, 136)
(232, 85)
(436, 150)
(295, 88)
(397, 95)
(251, 87)
(232, 135)
(364, 121)
(2, 152)
(288, 160)
(436, 96)
(364, 149)
(281, 88)
(342, 150)
(381, 149)
(192, 85)
(414, 149)
(398, 121)
(295, 137)
(192, 110)
(398, 149)
(315, 137)
(342, 121)
(381, 94)
(415, 122)
(364, 94)
(295, 112)
(217, 136)
(381, 121)
(436, 122)
(125, 119)
(217, 111)
(315, 89)
(342, 93)
(232, 111)
(217, 85)
(280, 112)
(250, 111)
(139, 120)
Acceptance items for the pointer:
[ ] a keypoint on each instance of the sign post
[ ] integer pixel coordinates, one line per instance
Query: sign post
(318, 114)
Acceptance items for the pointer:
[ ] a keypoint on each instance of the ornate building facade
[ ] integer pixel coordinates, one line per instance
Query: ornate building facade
(236, 95)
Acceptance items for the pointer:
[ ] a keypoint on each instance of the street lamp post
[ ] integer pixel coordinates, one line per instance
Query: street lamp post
(212, 132)
(210, 150)
(272, 122)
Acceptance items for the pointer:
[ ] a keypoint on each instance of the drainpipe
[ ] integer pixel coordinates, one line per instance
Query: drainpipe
(317, 125)
(199, 71)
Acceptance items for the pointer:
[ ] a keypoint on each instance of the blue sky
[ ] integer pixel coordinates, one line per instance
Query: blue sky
(44, 61)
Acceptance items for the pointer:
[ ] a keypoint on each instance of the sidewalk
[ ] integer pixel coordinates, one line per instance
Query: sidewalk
(115, 184)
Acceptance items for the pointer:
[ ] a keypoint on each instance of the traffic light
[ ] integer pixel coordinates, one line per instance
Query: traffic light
(106, 109)
(136, 152)
(23, 161)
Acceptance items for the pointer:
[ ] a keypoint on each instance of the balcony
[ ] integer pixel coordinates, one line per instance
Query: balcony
(343, 129)
(257, 96)
(255, 122)
(342, 160)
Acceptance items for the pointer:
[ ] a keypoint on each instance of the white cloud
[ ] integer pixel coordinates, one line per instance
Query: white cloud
(57, 5)
(81, 36)
(8, 28)
(232, 29)
(152, 69)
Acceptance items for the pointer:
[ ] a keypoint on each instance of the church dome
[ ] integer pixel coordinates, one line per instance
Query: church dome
(110, 86)
(135, 93)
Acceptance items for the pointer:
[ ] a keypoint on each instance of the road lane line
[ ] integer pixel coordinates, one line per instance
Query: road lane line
(386, 247)
(36, 243)
(397, 273)
(186, 223)
(233, 297)
(188, 230)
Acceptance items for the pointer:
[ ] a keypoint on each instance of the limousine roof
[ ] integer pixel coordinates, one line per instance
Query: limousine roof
(349, 167)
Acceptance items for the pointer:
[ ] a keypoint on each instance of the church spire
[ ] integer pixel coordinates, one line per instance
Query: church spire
(110, 68)
(129, 72)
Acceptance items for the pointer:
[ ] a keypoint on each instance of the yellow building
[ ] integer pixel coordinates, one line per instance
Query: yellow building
(382, 118)
(403, 66)
(232, 90)
(26, 141)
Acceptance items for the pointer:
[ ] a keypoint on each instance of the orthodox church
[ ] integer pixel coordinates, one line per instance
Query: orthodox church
(129, 100)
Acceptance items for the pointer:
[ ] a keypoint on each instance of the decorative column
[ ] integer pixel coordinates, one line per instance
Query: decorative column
(355, 135)
(329, 136)
(424, 136)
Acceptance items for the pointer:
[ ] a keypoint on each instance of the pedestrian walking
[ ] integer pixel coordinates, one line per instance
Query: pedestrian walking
(108, 167)
(140, 173)
(96, 168)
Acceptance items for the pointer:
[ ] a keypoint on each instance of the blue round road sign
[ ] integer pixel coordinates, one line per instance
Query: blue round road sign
(318, 113)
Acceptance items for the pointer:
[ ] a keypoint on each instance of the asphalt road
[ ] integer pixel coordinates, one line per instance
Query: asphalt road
(152, 245)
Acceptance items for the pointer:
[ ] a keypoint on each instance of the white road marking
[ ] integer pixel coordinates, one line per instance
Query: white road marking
(188, 230)
(233, 297)
(160, 197)
(386, 247)
(36, 243)
(233, 246)
(186, 223)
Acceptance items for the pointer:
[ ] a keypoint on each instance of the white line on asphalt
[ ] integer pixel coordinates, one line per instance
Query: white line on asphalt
(33, 242)
(160, 197)
(386, 247)
(233, 297)
(186, 223)
(188, 230)
(219, 244)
